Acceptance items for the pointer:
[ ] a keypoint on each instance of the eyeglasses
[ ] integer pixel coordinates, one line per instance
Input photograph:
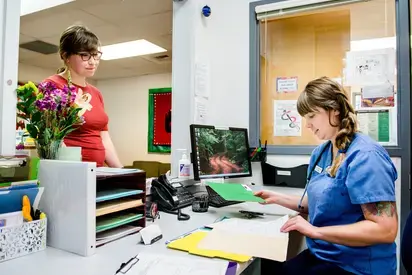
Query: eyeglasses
(86, 56)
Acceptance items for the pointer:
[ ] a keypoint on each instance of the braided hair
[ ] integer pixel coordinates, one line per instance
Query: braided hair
(327, 94)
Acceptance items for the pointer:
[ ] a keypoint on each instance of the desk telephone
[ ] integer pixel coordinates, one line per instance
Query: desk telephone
(171, 197)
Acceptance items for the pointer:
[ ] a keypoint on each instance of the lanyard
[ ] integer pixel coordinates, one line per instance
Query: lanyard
(311, 172)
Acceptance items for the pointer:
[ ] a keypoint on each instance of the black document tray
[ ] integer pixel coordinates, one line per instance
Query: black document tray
(286, 177)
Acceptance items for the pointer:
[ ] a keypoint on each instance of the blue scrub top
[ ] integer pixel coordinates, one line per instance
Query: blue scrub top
(366, 175)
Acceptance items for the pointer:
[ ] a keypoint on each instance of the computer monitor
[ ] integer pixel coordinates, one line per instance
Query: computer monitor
(219, 152)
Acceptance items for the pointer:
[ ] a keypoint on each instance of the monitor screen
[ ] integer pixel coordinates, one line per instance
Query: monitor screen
(218, 153)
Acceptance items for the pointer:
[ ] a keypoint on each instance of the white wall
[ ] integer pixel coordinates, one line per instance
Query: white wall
(224, 45)
(126, 103)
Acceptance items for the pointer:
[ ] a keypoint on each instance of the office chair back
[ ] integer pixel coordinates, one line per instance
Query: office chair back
(406, 245)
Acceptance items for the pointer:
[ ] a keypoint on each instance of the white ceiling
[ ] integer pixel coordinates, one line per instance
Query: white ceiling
(113, 21)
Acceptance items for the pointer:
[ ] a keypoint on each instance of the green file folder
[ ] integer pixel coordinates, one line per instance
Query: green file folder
(234, 192)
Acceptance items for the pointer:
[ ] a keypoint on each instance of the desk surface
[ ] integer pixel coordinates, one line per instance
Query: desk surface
(109, 257)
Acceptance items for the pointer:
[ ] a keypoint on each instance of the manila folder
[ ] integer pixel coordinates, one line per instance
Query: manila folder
(264, 241)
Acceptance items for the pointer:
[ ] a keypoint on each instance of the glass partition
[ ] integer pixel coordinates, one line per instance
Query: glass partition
(355, 44)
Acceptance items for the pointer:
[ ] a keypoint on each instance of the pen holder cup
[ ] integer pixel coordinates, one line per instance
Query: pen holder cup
(200, 203)
(257, 155)
(21, 240)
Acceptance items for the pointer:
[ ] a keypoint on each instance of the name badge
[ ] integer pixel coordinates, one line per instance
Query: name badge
(318, 169)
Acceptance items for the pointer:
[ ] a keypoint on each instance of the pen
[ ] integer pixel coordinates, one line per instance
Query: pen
(254, 152)
(120, 270)
(182, 236)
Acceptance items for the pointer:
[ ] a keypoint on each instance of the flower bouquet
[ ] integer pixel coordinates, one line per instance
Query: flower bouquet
(51, 114)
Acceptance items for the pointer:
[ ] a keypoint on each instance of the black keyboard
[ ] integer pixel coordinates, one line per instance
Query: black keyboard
(215, 200)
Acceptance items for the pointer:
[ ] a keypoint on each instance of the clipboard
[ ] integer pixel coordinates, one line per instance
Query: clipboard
(159, 264)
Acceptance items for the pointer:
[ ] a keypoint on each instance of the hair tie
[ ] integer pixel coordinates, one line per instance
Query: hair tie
(344, 150)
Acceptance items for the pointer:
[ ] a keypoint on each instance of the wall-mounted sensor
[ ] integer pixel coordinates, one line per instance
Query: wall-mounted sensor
(206, 11)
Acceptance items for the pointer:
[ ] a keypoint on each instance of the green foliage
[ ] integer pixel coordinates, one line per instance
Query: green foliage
(50, 113)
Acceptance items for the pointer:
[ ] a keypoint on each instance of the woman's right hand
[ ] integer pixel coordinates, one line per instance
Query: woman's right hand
(269, 196)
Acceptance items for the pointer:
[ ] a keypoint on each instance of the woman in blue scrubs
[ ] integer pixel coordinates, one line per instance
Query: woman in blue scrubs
(350, 199)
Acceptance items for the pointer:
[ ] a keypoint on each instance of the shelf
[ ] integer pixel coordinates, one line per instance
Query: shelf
(112, 221)
(117, 193)
(120, 203)
(117, 205)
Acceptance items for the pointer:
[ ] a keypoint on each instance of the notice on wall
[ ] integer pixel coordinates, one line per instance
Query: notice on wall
(365, 68)
(201, 110)
(378, 95)
(338, 80)
(375, 124)
(202, 80)
(287, 121)
(286, 84)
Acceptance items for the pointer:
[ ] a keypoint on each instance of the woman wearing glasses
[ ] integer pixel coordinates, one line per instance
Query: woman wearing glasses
(79, 50)
(350, 198)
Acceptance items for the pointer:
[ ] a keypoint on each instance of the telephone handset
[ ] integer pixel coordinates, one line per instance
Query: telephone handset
(171, 197)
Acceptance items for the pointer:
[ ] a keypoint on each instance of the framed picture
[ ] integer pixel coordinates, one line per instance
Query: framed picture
(160, 120)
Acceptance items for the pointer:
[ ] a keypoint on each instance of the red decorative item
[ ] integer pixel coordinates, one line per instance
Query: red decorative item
(162, 108)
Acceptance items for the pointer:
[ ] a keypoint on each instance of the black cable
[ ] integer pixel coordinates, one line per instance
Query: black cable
(180, 216)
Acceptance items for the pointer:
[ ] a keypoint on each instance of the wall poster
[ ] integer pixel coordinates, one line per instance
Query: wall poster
(160, 120)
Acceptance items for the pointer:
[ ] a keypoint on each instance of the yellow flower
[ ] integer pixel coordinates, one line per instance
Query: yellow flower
(33, 87)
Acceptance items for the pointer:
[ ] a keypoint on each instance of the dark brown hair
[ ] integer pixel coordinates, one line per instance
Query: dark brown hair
(327, 94)
(76, 39)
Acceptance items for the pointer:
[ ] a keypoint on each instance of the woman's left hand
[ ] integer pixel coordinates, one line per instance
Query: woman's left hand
(298, 223)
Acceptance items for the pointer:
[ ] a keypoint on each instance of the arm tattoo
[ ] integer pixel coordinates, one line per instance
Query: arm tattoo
(387, 209)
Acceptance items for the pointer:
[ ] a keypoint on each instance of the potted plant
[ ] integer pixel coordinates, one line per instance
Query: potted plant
(51, 114)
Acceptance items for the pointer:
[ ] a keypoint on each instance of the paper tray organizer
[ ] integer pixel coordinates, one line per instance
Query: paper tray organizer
(18, 241)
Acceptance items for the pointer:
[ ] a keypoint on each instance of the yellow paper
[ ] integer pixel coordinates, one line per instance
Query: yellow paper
(189, 244)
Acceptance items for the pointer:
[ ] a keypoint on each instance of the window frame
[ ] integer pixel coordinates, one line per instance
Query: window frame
(403, 84)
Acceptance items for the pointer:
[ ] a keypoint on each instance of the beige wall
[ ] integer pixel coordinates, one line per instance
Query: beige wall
(37, 74)
(126, 103)
(32, 73)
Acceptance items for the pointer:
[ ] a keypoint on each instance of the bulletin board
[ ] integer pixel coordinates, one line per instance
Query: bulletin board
(299, 48)
(159, 138)
(307, 47)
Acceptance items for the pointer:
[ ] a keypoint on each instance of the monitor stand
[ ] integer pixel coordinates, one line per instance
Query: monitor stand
(187, 182)
(216, 180)
(199, 188)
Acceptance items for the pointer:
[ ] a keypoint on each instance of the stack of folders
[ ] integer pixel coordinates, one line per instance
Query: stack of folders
(115, 214)
(237, 240)
(190, 244)
(13, 208)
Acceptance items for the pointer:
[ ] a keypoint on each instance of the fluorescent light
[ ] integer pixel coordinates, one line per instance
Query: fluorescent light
(373, 44)
(30, 6)
(129, 49)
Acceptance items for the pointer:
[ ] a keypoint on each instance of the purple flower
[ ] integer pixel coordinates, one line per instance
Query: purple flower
(46, 104)
(20, 146)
